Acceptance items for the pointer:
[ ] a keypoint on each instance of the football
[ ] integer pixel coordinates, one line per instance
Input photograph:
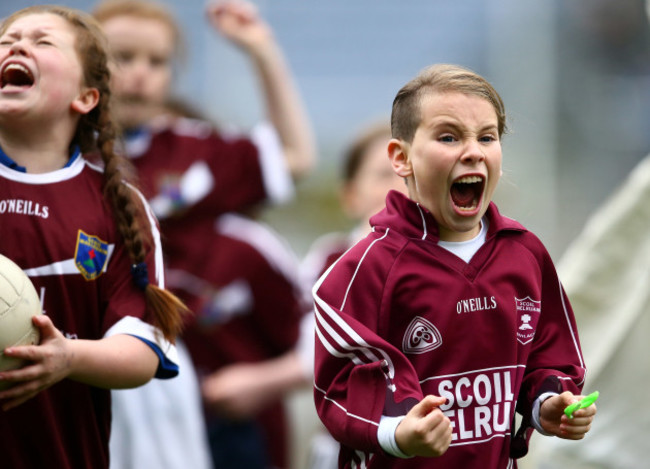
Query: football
(19, 302)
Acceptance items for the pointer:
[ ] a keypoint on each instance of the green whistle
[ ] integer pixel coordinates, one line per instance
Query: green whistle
(581, 404)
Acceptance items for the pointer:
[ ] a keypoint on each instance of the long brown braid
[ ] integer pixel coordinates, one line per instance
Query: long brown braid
(96, 133)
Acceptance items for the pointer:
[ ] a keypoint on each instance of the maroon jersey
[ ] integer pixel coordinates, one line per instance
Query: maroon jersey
(399, 317)
(191, 174)
(243, 289)
(60, 230)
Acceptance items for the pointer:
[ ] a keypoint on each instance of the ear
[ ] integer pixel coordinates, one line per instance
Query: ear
(86, 101)
(398, 153)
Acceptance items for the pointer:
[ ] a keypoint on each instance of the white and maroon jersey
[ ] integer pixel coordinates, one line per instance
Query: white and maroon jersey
(191, 174)
(399, 317)
(244, 292)
(59, 229)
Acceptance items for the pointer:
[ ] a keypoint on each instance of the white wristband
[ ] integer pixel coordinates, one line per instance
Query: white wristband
(537, 405)
(386, 436)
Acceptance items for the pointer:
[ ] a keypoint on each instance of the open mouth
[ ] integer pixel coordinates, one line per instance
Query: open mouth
(466, 192)
(16, 75)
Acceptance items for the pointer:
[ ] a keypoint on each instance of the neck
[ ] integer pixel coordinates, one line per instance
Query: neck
(37, 148)
(36, 157)
(458, 236)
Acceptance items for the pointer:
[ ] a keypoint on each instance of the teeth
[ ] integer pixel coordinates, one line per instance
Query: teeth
(469, 179)
(15, 66)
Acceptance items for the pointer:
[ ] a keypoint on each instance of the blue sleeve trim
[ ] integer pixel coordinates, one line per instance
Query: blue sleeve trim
(166, 368)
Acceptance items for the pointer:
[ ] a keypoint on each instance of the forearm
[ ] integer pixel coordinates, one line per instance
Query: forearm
(241, 390)
(285, 108)
(116, 362)
(282, 374)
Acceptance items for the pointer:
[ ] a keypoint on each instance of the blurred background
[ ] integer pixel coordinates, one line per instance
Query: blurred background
(575, 77)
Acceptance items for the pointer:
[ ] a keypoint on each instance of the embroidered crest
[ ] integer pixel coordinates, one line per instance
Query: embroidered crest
(170, 189)
(224, 304)
(421, 336)
(91, 255)
(528, 311)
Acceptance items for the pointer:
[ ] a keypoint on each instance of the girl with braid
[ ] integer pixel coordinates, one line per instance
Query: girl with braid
(86, 238)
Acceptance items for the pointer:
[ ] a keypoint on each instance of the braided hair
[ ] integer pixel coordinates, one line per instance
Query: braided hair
(96, 132)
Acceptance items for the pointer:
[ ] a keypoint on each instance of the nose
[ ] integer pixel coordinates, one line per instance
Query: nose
(18, 48)
(472, 152)
(138, 73)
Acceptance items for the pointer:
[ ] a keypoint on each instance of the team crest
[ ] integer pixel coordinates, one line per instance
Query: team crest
(421, 336)
(91, 255)
(528, 312)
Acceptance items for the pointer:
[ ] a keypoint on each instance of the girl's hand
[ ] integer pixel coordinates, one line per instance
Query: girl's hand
(234, 391)
(240, 23)
(47, 364)
(554, 421)
(425, 431)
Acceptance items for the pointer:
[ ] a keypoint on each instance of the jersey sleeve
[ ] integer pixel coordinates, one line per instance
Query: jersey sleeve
(278, 298)
(277, 180)
(126, 308)
(555, 363)
(247, 171)
(556, 358)
(358, 376)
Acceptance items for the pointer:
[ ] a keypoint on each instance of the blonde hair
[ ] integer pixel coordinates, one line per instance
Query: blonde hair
(143, 9)
(440, 78)
(96, 133)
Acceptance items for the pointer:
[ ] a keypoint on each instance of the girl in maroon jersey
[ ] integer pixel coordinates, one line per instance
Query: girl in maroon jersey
(95, 257)
(446, 319)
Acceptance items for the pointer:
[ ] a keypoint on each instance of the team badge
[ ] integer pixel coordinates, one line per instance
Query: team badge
(170, 188)
(421, 336)
(226, 303)
(169, 200)
(91, 255)
(528, 311)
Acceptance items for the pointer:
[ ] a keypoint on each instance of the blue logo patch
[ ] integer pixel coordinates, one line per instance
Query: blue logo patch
(91, 255)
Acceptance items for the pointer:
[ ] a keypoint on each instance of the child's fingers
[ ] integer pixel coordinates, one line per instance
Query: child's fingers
(581, 402)
(23, 386)
(26, 373)
(437, 424)
(239, 10)
(575, 432)
(429, 403)
(586, 412)
(22, 397)
(576, 427)
(440, 431)
(581, 418)
(24, 352)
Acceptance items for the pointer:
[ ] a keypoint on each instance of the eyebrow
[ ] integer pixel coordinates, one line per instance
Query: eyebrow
(37, 33)
(455, 124)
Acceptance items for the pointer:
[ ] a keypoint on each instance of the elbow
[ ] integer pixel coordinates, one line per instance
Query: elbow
(135, 379)
(301, 162)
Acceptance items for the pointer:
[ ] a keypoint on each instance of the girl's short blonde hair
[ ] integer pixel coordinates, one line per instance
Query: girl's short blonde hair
(440, 78)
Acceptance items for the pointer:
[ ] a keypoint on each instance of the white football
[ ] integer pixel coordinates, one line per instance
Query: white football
(19, 302)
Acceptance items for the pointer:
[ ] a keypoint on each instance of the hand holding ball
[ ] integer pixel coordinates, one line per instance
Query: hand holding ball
(19, 302)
